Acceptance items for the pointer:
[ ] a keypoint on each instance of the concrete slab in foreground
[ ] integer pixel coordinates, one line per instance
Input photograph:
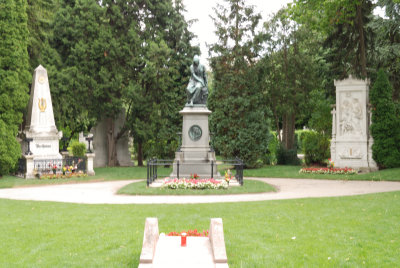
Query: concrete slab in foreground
(199, 252)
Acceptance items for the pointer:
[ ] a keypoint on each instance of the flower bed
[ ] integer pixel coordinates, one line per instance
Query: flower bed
(197, 184)
(347, 171)
(62, 176)
(189, 233)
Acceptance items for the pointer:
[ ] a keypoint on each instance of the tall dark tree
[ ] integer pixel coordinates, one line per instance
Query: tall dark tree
(162, 78)
(239, 119)
(293, 62)
(97, 46)
(40, 17)
(14, 79)
(344, 22)
(386, 52)
(120, 56)
(385, 128)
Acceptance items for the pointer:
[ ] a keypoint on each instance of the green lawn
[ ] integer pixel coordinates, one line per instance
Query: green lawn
(249, 186)
(102, 174)
(293, 172)
(325, 232)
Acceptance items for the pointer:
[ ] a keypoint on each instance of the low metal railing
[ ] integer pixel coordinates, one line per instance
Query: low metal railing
(21, 166)
(154, 163)
(72, 164)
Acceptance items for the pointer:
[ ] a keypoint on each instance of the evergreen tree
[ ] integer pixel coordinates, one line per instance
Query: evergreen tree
(294, 70)
(162, 78)
(344, 24)
(98, 46)
(40, 16)
(385, 127)
(123, 55)
(387, 43)
(14, 79)
(239, 118)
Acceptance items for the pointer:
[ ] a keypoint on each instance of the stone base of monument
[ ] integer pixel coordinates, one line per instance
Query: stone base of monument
(195, 155)
(166, 251)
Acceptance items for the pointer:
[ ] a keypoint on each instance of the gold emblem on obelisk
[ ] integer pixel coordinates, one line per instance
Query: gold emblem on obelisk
(42, 104)
(41, 79)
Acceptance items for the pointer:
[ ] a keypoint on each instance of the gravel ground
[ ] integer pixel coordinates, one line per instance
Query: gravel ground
(105, 192)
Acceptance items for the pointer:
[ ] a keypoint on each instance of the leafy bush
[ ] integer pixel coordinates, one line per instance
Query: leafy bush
(385, 127)
(321, 117)
(78, 148)
(287, 157)
(10, 150)
(271, 155)
(316, 147)
(300, 134)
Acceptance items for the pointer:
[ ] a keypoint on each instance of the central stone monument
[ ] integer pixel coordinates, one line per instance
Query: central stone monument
(195, 155)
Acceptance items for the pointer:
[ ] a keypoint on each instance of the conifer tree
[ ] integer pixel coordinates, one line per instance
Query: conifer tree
(385, 127)
(119, 55)
(163, 78)
(239, 119)
(40, 16)
(14, 79)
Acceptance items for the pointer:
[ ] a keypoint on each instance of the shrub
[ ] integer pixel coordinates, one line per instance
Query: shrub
(316, 147)
(10, 150)
(385, 127)
(271, 155)
(287, 157)
(78, 148)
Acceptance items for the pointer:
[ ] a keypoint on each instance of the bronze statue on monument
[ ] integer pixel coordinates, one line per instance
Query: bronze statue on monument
(197, 91)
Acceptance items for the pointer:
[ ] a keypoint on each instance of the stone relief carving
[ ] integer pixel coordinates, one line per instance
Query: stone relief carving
(351, 117)
(351, 153)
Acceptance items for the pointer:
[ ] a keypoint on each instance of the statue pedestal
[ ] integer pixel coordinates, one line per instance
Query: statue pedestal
(195, 155)
(89, 164)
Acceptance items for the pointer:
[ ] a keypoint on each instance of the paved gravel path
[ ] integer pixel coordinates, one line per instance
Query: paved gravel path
(105, 192)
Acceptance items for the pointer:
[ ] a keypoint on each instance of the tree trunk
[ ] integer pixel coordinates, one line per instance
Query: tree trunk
(361, 37)
(140, 154)
(111, 143)
(288, 128)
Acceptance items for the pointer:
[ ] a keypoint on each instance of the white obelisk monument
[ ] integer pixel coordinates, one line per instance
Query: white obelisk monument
(40, 125)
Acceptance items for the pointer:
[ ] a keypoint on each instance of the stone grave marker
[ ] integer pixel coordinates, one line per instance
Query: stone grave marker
(351, 117)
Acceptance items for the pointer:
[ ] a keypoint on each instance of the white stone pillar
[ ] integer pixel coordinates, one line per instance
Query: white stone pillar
(29, 173)
(89, 164)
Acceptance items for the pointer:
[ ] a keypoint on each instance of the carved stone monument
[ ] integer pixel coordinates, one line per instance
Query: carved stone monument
(351, 140)
(195, 154)
(40, 127)
(99, 144)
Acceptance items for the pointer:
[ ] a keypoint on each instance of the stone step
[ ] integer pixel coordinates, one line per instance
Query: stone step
(169, 253)
(159, 250)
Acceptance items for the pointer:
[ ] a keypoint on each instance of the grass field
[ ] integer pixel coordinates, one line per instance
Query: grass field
(325, 232)
(102, 174)
(293, 172)
(249, 186)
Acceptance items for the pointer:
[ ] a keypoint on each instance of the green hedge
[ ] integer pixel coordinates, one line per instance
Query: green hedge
(316, 147)
(385, 127)
(78, 148)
